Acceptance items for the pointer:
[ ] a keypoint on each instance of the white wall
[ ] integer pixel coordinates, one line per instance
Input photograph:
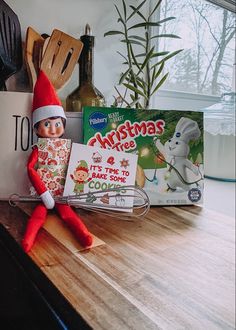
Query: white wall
(71, 16)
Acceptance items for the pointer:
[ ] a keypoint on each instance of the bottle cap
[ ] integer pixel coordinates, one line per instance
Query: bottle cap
(87, 38)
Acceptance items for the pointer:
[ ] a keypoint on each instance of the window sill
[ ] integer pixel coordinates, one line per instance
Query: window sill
(174, 100)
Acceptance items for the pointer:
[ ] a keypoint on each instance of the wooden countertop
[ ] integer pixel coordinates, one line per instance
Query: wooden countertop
(174, 269)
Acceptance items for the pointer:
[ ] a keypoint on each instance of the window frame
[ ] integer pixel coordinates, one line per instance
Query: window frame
(226, 4)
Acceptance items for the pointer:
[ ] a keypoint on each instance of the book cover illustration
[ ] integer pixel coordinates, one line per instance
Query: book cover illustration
(92, 169)
(169, 145)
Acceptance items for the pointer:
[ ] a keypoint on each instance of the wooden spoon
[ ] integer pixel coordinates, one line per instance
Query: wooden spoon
(60, 57)
(45, 44)
(33, 54)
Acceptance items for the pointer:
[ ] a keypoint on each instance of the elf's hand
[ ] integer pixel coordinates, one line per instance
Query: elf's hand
(47, 200)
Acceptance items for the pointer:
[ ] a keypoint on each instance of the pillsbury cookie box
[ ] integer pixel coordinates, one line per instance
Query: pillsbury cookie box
(169, 145)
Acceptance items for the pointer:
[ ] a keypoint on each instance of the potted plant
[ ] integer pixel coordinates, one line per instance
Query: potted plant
(143, 61)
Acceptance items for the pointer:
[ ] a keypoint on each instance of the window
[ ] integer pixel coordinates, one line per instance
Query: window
(207, 32)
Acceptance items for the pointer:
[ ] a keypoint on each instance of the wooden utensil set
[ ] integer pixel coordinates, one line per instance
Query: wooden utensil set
(56, 55)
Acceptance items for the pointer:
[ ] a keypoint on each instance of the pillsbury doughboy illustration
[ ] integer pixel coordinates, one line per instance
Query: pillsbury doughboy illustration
(175, 152)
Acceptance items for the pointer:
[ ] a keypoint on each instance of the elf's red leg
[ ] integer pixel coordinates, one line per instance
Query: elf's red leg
(35, 222)
(75, 223)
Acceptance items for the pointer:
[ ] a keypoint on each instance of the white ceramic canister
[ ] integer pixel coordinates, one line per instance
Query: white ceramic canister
(219, 139)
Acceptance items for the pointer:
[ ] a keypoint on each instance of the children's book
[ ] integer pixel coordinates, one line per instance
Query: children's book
(93, 169)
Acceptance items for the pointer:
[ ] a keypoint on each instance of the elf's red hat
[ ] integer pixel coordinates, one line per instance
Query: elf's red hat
(46, 103)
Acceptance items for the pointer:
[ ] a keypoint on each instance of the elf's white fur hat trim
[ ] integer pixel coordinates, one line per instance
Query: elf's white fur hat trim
(47, 112)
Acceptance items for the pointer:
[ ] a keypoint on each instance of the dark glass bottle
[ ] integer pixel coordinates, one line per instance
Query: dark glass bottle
(86, 94)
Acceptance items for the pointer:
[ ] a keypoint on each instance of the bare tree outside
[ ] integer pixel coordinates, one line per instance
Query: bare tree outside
(208, 38)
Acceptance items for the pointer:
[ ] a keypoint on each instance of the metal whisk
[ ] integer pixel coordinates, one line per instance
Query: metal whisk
(128, 201)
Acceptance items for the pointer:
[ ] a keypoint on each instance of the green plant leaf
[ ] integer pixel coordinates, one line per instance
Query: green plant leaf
(111, 33)
(139, 13)
(146, 24)
(134, 59)
(153, 76)
(135, 10)
(130, 41)
(170, 55)
(138, 38)
(160, 54)
(134, 89)
(132, 97)
(120, 16)
(155, 8)
(132, 104)
(139, 106)
(141, 83)
(141, 55)
(148, 57)
(122, 55)
(156, 74)
(124, 75)
(160, 83)
(159, 70)
(166, 36)
(166, 19)
(141, 80)
(124, 8)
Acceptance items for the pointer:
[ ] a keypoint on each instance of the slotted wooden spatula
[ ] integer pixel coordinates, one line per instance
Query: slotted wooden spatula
(33, 53)
(60, 57)
(10, 43)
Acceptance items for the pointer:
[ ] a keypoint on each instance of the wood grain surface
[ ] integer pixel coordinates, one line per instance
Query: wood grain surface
(174, 269)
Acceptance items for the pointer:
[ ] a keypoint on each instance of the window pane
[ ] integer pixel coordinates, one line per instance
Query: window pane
(207, 34)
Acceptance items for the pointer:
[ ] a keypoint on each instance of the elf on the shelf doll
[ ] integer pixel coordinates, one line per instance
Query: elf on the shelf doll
(47, 167)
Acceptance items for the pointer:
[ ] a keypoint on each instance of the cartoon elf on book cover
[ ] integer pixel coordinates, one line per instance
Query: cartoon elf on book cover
(80, 177)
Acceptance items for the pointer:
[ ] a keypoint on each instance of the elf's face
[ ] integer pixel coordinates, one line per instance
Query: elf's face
(50, 128)
(80, 175)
